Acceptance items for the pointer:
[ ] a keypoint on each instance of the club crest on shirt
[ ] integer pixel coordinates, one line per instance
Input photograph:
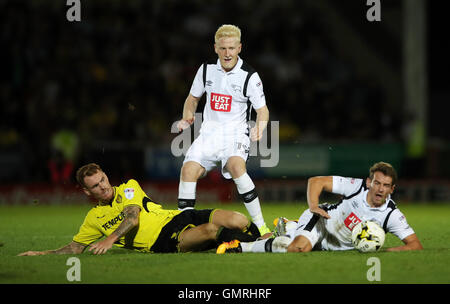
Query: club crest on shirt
(129, 193)
(236, 88)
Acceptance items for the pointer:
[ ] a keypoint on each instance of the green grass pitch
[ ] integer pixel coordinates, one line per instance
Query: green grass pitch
(38, 227)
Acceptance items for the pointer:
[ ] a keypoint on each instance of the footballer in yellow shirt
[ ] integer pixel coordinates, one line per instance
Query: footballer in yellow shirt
(126, 217)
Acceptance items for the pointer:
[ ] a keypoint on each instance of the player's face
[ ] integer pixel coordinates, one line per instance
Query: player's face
(98, 186)
(228, 49)
(380, 186)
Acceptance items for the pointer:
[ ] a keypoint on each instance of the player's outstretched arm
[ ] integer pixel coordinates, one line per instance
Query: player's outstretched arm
(130, 221)
(71, 248)
(411, 242)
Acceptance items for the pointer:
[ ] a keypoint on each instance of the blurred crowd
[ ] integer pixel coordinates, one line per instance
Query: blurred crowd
(120, 76)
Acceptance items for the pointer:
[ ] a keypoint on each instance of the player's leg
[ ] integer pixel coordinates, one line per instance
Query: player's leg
(300, 244)
(279, 244)
(236, 225)
(236, 166)
(230, 219)
(224, 226)
(300, 237)
(190, 173)
(197, 238)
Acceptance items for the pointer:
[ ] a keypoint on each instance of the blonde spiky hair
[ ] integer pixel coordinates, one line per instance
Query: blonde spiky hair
(227, 30)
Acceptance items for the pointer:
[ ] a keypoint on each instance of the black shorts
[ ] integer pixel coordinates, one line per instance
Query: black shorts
(167, 240)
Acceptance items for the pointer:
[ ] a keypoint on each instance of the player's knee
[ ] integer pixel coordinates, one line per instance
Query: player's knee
(238, 221)
(191, 172)
(299, 244)
(210, 230)
(236, 167)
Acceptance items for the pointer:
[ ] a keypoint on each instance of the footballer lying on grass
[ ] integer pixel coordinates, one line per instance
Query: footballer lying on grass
(130, 219)
(329, 227)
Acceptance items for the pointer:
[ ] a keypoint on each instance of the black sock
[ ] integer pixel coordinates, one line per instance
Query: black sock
(184, 203)
(252, 229)
(227, 235)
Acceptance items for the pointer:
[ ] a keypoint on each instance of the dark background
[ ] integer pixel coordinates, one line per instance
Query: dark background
(117, 80)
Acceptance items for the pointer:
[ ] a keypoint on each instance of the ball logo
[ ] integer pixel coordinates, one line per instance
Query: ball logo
(351, 221)
(220, 102)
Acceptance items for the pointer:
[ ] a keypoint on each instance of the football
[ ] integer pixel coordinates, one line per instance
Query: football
(368, 236)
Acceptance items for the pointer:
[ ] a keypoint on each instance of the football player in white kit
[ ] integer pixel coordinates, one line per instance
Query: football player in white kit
(232, 89)
(329, 227)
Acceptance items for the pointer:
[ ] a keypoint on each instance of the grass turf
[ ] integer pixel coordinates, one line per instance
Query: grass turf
(37, 227)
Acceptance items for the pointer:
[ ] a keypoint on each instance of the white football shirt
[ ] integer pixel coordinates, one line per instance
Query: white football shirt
(229, 97)
(335, 233)
(354, 208)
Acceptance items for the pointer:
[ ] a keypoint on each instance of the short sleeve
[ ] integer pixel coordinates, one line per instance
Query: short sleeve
(255, 92)
(398, 225)
(346, 185)
(198, 88)
(133, 194)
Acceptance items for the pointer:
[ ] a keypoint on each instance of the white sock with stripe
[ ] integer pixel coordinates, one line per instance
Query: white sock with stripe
(246, 188)
(186, 195)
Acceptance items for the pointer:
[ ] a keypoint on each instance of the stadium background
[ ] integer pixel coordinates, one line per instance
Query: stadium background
(347, 92)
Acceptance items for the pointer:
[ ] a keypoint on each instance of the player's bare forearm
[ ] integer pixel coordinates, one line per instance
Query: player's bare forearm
(314, 188)
(131, 220)
(262, 118)
(71, 248)
(411, 243)
(190, 106)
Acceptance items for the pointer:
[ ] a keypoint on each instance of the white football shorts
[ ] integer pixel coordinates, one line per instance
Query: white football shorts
(314, 228)
(210, 149)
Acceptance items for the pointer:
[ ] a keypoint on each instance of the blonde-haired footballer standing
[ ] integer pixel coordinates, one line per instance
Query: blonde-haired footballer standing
(232, 89)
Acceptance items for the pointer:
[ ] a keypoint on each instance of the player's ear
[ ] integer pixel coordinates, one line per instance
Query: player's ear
(368, 182)
(215, 49)
(392, 189)
(86, 191)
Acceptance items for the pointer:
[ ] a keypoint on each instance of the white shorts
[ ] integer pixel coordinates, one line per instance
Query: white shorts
(314, 228)
(210, 149)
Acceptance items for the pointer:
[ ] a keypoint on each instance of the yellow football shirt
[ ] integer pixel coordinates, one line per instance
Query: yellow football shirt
(102, 220)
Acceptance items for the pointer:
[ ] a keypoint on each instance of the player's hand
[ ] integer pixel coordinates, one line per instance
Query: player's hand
(31, 253)
(101, 247)
(320, 212)
(185, 123)
(256, 133)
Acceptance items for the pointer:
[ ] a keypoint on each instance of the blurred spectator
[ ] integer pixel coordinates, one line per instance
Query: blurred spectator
(64, 149)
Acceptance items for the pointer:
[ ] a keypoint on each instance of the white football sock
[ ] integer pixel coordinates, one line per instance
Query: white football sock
(256, 246)
(276, 245)
(186, 191)
(245, 185)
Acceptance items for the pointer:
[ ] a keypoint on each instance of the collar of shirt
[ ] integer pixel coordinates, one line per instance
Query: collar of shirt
(236, 67)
